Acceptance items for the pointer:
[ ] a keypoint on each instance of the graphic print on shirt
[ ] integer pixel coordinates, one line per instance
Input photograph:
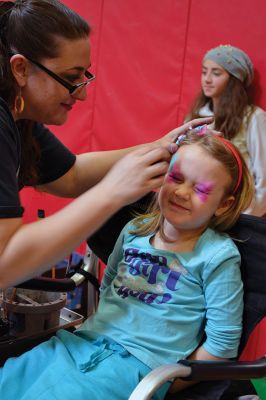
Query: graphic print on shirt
(148, 277)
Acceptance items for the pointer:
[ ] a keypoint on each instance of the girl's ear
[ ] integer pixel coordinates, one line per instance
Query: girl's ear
(224, 206)
(20, 68)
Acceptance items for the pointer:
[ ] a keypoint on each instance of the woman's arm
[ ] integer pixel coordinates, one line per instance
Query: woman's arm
(29, 249)
(90, 168)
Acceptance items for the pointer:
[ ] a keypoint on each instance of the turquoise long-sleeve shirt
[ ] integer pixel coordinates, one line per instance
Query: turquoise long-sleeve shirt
(158, 304)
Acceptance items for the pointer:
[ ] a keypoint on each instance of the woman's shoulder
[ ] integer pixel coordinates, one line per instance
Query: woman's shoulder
(5, 114)
(46, 139)
(40, 131)
(4, 106)
(8, 128)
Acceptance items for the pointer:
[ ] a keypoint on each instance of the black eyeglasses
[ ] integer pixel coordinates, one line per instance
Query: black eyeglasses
(73, 89)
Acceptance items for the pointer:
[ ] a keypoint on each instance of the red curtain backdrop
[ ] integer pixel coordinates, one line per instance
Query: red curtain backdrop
(146, 55)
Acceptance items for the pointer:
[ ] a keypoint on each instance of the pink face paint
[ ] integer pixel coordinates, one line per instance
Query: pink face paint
(174, 174)
(203, 190)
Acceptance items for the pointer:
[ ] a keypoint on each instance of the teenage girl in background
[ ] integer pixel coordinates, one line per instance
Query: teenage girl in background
(227, 73)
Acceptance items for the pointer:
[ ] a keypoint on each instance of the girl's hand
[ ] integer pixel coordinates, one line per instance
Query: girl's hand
(136, 174)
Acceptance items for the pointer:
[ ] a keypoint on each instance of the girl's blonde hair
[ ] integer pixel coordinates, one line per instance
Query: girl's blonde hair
(152, 221)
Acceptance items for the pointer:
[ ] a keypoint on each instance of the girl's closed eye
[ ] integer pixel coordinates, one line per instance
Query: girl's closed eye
(203, 190)
(174, 173)
(176, 177)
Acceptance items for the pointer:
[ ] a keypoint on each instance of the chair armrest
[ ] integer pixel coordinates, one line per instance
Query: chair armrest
(232, 370)
(48, 284)
(63, 285)
(198, 370)
(156, 378)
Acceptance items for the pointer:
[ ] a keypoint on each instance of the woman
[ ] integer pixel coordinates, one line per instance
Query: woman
(44, 57)
(227, 73)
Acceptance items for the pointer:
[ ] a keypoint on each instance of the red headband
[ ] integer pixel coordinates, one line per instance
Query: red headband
(239, 163)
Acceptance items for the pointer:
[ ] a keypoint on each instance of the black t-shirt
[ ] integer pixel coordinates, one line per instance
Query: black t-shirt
(55, 161)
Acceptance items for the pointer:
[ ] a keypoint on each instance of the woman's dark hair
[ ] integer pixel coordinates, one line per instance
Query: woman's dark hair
(33, 28)
(232, 108)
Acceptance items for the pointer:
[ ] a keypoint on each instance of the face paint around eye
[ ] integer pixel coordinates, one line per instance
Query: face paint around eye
(203, 190)
(174, 174)
(202, 196)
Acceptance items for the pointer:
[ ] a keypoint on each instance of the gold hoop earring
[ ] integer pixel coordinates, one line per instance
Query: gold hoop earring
(19, 103)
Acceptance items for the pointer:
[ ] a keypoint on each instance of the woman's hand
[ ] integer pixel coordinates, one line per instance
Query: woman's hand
(137, 174)
(170, 138)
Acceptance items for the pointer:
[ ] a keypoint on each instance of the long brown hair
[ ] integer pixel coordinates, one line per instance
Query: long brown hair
(32, 28)
(233, 107)
(153, 220)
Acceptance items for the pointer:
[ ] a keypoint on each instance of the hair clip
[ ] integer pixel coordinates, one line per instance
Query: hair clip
(180, 139)
(201, 130)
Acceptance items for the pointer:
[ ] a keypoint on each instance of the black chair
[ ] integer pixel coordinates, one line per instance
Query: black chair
(220, 379)
(103, 241)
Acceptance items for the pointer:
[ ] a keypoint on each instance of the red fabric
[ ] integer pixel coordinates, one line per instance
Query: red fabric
(146, 55)
(256, 346)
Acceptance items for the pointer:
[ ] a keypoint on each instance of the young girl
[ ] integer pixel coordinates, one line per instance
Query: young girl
(227, 73)
(173, 276)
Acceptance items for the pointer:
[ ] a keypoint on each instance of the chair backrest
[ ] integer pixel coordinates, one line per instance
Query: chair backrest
(103, 241)
(249, 234)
